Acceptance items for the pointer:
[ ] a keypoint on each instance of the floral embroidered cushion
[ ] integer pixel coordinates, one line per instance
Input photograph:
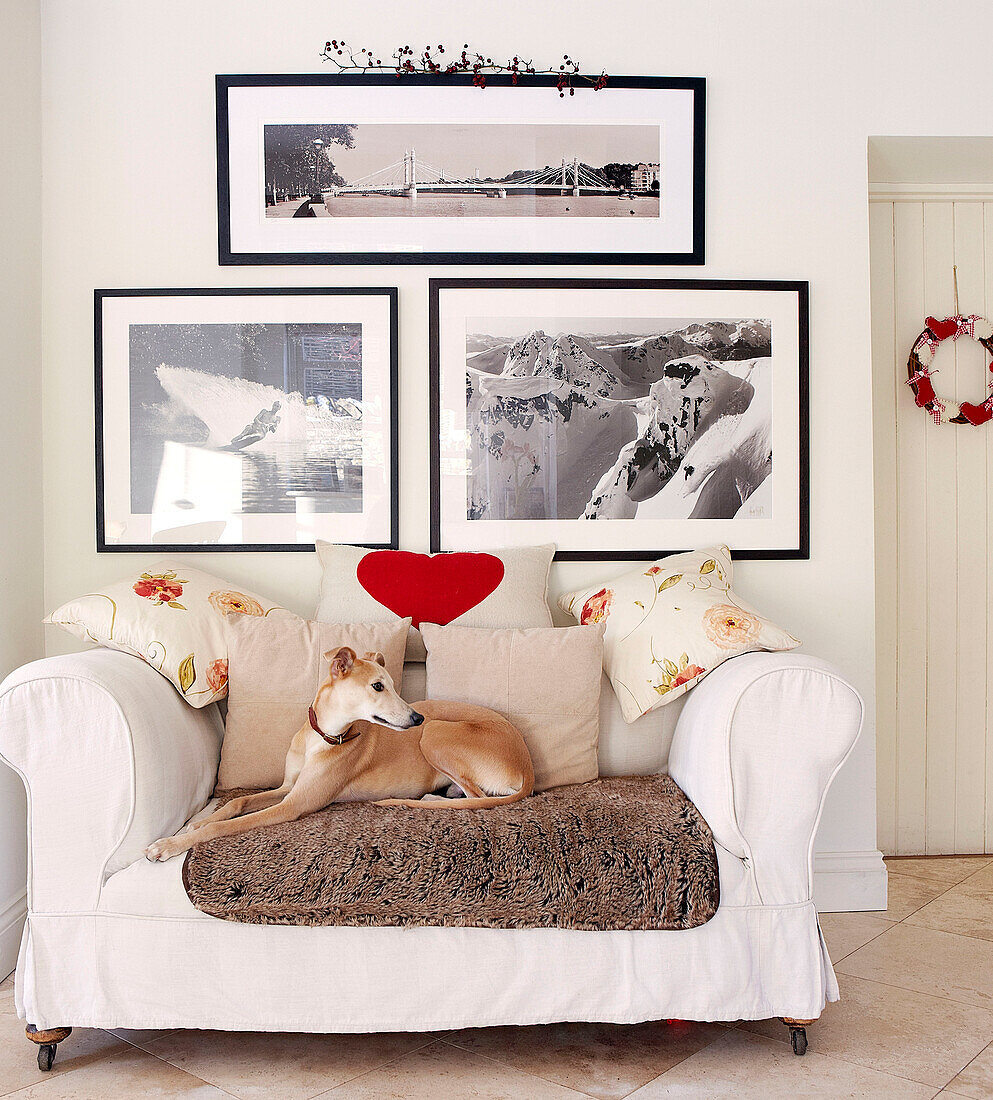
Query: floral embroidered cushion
(172, 617)
(669, 624)
(499, 588)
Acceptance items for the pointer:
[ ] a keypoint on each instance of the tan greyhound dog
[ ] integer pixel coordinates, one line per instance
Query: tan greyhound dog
(344, 754)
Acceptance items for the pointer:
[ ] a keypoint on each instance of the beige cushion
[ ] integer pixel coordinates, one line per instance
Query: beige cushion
(275, 668)
(670, 623)
(172, 616)
(546, 681)
(641, 748)
(518, 600)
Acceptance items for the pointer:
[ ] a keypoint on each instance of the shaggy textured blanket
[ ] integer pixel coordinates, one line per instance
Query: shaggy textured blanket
(630, 853)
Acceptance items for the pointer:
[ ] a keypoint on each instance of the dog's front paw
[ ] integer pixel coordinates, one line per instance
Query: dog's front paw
(161, 850)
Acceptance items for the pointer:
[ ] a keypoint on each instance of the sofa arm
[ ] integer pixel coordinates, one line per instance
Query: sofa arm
(756, 748)
(111, 757)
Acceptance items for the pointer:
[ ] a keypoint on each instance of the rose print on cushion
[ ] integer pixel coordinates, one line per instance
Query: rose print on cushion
(217, 674)
(161, 588)
(597, 607)
(731, 627)
(674, 676)
(235, 603)
(691, 672)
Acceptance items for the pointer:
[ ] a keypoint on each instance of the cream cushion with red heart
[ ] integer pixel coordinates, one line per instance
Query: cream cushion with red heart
(499, 588)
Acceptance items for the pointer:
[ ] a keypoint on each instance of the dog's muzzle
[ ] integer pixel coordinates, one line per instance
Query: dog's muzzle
(415, 719)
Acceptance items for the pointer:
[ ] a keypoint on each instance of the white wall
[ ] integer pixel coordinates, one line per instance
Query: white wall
(21, 567)
(794, 91)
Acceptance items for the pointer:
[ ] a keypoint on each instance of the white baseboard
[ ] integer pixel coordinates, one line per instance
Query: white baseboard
(11, 924)
(849, 882)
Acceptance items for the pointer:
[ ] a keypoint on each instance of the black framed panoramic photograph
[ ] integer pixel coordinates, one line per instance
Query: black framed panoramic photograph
(426, 169)
(619, 418)
(249, 419)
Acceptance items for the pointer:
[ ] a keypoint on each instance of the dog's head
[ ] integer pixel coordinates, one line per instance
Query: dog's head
(361, 688)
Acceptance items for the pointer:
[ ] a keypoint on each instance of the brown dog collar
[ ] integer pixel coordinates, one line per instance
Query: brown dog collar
(338, 739)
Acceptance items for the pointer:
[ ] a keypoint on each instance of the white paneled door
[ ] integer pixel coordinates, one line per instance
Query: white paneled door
(934, 530)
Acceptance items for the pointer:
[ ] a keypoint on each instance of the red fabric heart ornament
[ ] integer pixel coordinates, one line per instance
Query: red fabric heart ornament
(976, 414)
(924, 392)
(429, 588)
(942, 329)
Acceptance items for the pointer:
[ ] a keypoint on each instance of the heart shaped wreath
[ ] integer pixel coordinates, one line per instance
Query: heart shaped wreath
(942, 409)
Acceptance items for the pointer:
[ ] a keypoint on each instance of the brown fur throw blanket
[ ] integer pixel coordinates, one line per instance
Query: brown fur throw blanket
(631, 853)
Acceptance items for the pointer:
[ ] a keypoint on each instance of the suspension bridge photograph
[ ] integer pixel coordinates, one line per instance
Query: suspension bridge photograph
(483, 170)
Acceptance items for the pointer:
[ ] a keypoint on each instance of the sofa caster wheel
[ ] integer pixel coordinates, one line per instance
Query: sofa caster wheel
(798, 1034)
(47, 1041)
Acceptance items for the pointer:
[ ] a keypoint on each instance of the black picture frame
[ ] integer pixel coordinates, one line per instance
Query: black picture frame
(100, 295)
(226, 257)
(800, 287)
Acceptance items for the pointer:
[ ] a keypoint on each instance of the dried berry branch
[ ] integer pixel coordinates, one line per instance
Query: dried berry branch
(430, 60)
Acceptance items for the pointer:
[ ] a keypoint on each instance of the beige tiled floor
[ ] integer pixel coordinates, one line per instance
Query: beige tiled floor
(915, 1020)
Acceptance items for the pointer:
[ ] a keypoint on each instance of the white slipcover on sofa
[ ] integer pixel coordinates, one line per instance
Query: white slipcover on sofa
(112, 759)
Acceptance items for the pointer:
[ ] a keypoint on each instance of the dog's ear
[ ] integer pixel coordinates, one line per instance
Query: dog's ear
(341, 661)
(377, 657)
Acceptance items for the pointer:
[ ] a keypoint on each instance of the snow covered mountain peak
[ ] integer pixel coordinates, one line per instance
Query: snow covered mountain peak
(564, 357)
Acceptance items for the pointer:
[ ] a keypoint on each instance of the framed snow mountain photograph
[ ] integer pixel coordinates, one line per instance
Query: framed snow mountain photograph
(428, 168)
(621, 418)
(254, 419)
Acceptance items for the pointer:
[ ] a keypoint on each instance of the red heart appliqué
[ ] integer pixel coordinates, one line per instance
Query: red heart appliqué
(976, 414)
(942, 329)
(429, 588)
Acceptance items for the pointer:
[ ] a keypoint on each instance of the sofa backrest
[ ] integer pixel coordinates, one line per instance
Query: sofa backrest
(641, 748)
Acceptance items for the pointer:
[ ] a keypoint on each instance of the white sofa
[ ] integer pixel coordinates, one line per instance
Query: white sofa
(112, 759)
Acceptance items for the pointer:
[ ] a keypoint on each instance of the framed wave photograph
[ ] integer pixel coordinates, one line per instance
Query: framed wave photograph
(370, 168)
(248, 419)
(621, 419)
